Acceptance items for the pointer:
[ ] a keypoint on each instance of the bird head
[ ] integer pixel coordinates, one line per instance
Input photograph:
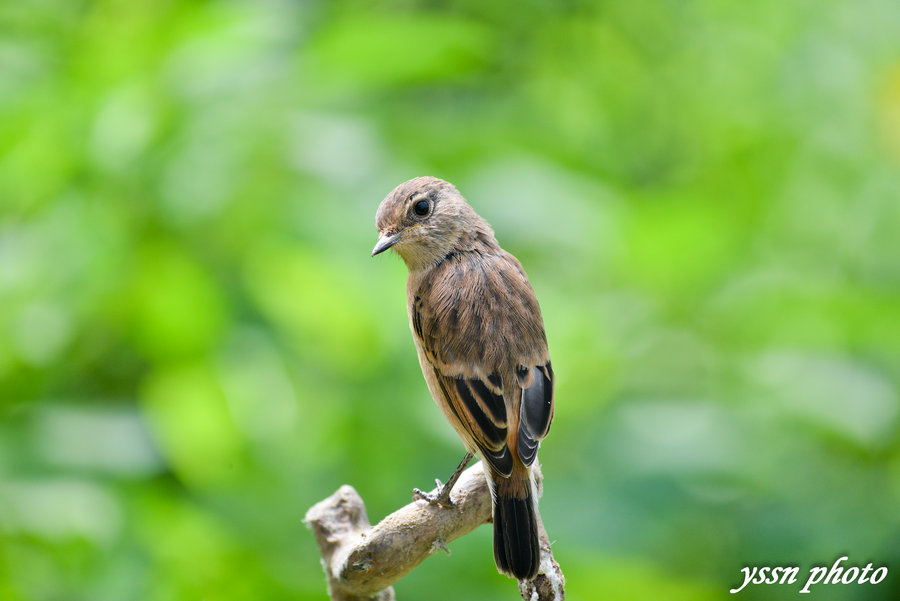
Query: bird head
(423, 220)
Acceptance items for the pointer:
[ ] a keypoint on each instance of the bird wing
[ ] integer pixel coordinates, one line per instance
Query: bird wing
(535, 411)
(479, 323)
(482, 414)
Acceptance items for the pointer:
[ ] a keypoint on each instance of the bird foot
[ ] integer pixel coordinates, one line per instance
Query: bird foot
(441, 497)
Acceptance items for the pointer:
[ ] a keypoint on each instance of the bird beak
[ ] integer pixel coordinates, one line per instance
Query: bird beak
(385, 242)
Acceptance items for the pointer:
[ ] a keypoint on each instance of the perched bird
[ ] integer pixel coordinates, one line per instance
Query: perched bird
(480, 338)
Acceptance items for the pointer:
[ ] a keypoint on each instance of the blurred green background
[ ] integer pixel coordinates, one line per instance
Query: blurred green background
(195, 345)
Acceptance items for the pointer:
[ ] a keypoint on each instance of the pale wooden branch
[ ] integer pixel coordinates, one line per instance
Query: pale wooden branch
(362, 562)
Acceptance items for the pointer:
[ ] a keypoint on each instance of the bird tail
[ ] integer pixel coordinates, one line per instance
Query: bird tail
(516, 546)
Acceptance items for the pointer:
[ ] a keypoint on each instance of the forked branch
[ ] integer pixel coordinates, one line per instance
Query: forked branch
(362, 562)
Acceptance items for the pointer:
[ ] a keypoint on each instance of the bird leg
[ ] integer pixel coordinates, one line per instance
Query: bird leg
(442, 497)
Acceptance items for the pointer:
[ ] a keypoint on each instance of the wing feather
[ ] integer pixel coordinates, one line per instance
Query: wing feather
(535, 412)
(489, 436)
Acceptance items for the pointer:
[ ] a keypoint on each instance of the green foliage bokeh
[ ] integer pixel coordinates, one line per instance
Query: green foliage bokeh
(195, 345)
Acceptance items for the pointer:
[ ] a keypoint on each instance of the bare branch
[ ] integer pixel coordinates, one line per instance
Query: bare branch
(362, 562)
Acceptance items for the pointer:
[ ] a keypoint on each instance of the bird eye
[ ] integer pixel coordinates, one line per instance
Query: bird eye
(421, 208)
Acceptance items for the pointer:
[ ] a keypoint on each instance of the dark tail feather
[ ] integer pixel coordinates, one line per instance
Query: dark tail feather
(516, 547)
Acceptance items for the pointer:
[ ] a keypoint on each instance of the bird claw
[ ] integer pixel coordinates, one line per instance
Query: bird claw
(441, 497)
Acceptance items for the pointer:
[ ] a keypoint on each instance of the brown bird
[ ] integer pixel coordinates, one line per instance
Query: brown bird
(478, 330)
